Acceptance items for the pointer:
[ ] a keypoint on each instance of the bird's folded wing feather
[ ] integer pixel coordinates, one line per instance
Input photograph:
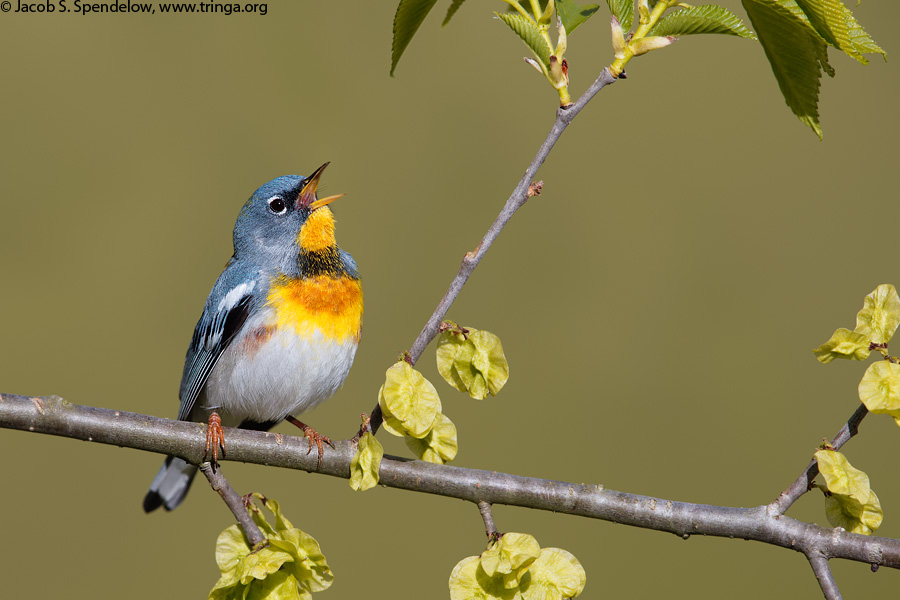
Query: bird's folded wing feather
(218, 326)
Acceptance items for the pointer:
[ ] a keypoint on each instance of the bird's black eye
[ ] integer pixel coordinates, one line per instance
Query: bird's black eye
(277, 205)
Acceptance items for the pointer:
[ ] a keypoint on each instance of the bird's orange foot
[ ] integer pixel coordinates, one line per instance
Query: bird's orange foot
(215, 438)
(312, 436)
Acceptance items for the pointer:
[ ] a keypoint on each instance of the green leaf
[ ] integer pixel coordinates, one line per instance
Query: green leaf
(861, 40)
(836, 24)
(439, 446)
(365, 463)
(530, 33)
(795, 52)
(623, 10)
(555, 574)
(879, 389)
(407, 19)
(573, 15)
(702, 19)
(852, 515)
(844, 344)
(454, 6)
(880, 314)
(409, 402)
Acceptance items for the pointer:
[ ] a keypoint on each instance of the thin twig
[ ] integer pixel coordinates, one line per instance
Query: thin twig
(825, 577)
(524, 190)
(53, 415)
(801, 485)
(488, 516)
(235, 503)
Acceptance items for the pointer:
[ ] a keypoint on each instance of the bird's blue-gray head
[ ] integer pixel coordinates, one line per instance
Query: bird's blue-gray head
(283, 220)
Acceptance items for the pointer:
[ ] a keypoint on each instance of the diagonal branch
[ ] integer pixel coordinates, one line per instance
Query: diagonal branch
(516, 200)
(801, 485)
(55, 416)
(825, 577)
(235, 503)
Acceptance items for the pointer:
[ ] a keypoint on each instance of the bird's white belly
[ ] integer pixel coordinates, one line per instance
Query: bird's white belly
(266, 378)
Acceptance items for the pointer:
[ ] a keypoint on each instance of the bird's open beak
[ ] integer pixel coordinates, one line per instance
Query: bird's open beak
(307, 197)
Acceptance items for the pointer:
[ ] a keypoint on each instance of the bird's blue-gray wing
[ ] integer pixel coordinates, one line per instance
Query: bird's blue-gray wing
(226, 310)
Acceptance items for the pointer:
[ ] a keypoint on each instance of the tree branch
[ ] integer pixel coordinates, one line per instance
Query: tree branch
(235, 503)
(801, 485)
(487, 516)
(519, 196)
(55, 416)
(825, 577)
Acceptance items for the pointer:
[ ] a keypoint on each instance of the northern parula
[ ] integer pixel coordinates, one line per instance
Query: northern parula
(279, 330)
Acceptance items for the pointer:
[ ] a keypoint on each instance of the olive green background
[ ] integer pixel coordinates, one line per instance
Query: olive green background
(658, 303)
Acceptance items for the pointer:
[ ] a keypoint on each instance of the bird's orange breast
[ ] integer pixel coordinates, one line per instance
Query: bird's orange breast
(331, 305)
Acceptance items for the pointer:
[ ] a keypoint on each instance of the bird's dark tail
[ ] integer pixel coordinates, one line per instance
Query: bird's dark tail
(171, 484)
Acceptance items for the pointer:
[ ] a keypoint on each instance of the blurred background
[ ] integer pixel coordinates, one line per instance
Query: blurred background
(658, 303)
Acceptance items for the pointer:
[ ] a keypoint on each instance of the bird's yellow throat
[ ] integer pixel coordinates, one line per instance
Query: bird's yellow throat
(317, 233)
(330, 302)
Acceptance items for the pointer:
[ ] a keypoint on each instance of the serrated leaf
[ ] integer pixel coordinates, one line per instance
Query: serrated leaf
(879, 389)
(365, 463)
(880, 314)
(407, 19)
(841, 477)
(572, 15)
(844, 344)
(794, 50)
(836, 24)
(530, 33)
(861, 40)
(409, 402)
(555, 574)
(623, 10)
(439, 446)
(852, 515)
(708, 18)
(454, 6)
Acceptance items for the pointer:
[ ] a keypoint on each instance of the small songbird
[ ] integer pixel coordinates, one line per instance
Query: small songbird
(279, 330)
